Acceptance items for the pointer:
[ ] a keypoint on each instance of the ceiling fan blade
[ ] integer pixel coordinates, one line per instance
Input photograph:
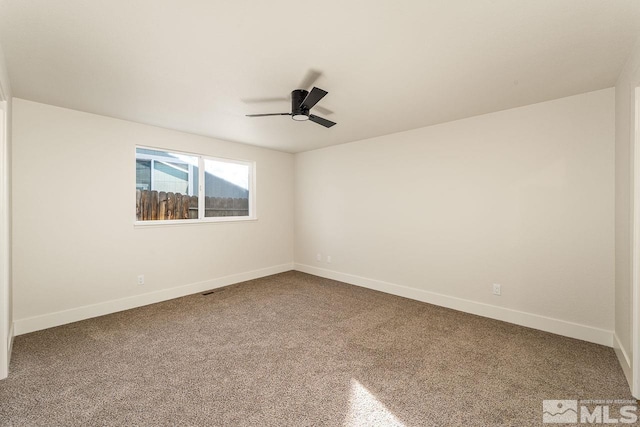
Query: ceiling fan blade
(322, 110)
(312, 99)
(268, 114)
(310, 78)
(319, 120)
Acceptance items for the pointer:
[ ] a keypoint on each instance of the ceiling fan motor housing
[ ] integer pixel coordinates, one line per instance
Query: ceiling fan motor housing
(297, 111)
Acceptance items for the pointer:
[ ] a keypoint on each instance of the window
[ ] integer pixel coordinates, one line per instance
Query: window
(168, 187)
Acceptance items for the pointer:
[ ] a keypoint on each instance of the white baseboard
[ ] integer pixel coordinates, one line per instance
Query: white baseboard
(36, 323)
(623, 358)
(530, 320)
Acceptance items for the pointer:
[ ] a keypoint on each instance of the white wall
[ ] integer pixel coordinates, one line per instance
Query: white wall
(625, 110)
(523, 198)
(76, 252)
(6, 332)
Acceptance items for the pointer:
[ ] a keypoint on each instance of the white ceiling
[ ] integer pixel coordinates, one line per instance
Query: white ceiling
(388, 65)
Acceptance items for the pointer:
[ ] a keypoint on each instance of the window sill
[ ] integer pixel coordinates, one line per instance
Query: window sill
(177, 222)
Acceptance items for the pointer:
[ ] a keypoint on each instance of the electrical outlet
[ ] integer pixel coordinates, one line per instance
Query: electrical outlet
(329, 259)
(497, 289)
(318, 257)
(141, 279)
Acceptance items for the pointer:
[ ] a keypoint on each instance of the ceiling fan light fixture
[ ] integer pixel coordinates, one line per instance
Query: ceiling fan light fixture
(300, 117)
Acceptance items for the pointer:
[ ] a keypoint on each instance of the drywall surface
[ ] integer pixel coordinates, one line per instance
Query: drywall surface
(75, 244)
(523, 198)
(625, 112)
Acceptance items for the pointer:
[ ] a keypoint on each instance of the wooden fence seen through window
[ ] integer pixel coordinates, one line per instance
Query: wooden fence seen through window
(161, 205)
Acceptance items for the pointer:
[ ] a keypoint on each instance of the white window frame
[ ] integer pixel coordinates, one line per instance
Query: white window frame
(200, 193)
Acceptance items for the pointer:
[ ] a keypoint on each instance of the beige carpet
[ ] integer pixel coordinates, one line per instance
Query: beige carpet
(294, 349)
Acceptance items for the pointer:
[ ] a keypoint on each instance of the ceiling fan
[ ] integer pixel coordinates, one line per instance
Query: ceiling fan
(301, 102)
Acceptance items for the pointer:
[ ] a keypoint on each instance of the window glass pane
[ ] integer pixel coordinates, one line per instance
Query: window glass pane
(168, 176)
(166, 185)
(143, 174)
(226, 188)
